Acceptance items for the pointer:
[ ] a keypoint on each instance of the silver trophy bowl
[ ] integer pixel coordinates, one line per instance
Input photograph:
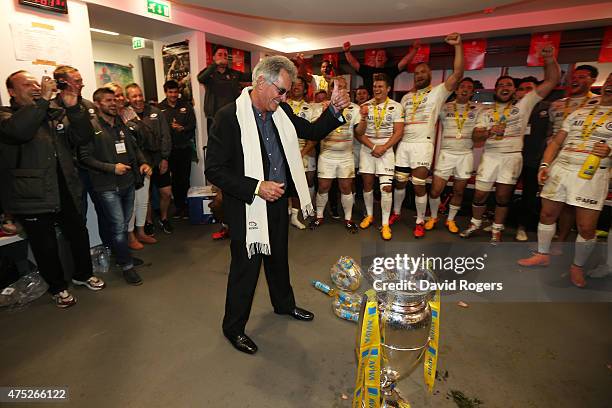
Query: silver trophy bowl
(405, 323)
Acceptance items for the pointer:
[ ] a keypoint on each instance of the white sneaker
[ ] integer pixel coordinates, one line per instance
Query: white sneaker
(521, 234)
(601, 271)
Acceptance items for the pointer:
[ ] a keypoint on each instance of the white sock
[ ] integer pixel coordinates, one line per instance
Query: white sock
(368, 200)
(434, 204)
(386, 199)
(295, 221)
(497, 227)
(452, 212)
(584, 248)
(545, 237)
(311, 190)
(477, 223)
(421, 207)
(321, 203)
(398, 200)
(347, 201)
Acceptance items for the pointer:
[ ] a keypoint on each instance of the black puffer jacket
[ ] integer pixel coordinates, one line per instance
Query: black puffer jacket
(34, 139)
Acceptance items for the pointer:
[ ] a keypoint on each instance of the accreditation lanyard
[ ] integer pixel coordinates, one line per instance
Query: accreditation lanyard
(417, 99)
(460, 119)
(505, 113)
(297, 108)
(567, 110)
(588, 127)
(379, 115)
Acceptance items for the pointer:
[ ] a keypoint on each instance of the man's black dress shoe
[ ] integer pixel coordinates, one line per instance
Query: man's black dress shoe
(300, 314)
(243, 343)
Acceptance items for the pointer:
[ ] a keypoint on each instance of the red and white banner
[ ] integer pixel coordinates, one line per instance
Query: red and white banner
(238, 60)
(539, 41)
(422, 55)
(605, 55)
(369, 57)
(474, 54)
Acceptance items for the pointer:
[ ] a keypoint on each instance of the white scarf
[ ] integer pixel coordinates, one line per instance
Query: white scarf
(257, 240)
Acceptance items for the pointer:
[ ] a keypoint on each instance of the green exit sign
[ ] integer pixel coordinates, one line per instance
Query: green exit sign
(138, 43)
(159, 8)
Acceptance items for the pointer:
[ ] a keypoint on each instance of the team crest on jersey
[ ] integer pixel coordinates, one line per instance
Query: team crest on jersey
(388, 117)
(471, 115)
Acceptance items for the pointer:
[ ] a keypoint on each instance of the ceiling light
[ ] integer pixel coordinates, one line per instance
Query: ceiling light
(290, 40)
(97, 30)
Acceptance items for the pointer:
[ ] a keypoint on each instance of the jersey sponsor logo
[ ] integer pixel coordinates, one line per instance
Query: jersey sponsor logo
(121, 134)
(391, 108)
(183, 109)
(60, 126)
(514, 111)
(153, 115)
(543, 113)
(609, 126)
(592, 102)
(586, 200)
(91, 110)
(305, 108)
(349, 116)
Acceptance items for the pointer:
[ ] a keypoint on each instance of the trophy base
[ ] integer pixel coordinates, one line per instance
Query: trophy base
(392, 399)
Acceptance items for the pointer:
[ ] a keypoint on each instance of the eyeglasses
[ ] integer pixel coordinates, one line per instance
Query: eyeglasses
(281, 91)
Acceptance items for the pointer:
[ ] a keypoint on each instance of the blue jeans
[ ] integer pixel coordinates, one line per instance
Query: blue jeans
(118, 206)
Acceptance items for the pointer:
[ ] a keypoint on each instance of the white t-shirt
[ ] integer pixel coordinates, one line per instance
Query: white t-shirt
(393, 113)
(339, 142)
(575, 150)
(467, 115)
(560, 109)
(516, 123)
(421, 109)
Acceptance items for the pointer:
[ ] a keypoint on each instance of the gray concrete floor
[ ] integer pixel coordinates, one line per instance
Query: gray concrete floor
(160, 344)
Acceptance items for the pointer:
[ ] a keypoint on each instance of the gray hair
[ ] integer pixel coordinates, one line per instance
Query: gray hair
(270, 68)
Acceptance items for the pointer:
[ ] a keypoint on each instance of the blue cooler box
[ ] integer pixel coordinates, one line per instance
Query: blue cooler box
(198, 199)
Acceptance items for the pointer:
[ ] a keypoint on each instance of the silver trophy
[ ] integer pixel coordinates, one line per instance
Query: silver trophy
(405, 322)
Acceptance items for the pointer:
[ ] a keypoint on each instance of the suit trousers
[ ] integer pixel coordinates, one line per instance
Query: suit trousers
(244, 273)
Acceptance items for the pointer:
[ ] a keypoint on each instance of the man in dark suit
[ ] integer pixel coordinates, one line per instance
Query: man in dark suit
(225, 167)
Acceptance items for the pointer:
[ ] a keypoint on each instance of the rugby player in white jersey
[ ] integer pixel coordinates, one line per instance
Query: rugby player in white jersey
(307, 147)
(415, 151)
(380, 128)
(503, 127)
(580, 95)
(586, 131)
(458, 119)
(336, 161)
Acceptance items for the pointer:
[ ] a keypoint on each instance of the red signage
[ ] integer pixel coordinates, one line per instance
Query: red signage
(422, 55)
(474, 54)
(605, 55)
(369, 57)
(238, 60)
(539, 41)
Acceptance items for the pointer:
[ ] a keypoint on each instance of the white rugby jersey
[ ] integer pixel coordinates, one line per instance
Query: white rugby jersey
(560, 109)
(421, 110)
(453, 115)
(516, 123)
(393, 113)
(575, 149)
(339, 141)
(304, 110)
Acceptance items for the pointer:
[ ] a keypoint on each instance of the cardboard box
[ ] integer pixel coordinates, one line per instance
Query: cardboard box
(198, 199)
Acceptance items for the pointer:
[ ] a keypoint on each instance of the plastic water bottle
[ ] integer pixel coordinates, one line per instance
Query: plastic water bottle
(343, 313)
(331, 292)
(104, 260)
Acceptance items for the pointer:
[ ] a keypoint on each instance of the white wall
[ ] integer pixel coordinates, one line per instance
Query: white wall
(74, 28)
(105, 51)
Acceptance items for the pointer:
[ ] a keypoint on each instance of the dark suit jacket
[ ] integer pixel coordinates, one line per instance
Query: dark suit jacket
(225, 160)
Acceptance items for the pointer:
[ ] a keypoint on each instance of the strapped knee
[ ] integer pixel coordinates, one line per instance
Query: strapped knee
(385, 180)
(402, 176)
(418, 181)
